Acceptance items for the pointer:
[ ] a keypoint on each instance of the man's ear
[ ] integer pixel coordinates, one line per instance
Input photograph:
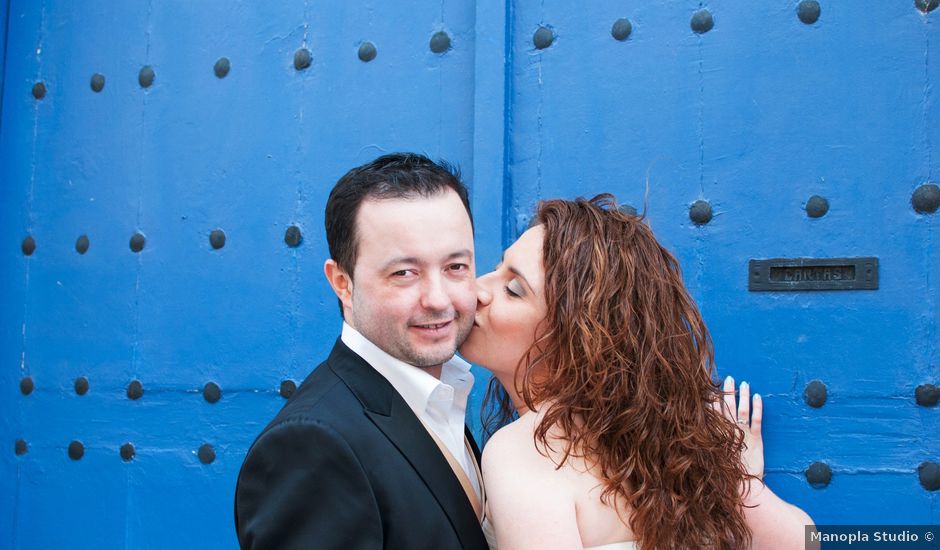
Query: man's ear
(340, 281)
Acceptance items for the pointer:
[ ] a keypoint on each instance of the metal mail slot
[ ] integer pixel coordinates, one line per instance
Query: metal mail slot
(796, 274)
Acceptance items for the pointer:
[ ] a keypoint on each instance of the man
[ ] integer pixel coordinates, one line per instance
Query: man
(372, 450)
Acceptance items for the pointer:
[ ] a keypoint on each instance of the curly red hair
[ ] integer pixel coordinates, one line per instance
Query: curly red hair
(624, 366)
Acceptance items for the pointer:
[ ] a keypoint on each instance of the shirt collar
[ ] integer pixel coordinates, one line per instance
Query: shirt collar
(414, 384)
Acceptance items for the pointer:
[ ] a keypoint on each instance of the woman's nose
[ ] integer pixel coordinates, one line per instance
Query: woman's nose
(484, 294)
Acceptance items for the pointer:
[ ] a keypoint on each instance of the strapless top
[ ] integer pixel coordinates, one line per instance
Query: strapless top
(490, 534)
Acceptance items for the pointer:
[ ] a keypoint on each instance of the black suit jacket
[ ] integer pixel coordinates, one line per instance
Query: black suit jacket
(346, 464)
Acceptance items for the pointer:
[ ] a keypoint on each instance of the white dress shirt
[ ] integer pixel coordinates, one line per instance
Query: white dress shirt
(440, 404)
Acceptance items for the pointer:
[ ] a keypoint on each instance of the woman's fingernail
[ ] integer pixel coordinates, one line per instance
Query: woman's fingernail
(756, 396)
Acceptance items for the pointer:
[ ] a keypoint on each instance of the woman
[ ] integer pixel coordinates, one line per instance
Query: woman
(620, 441)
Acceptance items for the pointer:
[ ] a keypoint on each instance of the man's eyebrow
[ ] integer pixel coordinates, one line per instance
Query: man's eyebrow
(411, 260)
(462, 253)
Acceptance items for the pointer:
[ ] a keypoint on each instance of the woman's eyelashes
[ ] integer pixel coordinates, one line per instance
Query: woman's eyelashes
(514, 289)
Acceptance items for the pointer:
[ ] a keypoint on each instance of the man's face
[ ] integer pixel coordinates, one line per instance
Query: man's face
(413, 289)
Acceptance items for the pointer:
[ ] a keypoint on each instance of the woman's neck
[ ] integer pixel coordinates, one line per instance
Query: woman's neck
(518, 403)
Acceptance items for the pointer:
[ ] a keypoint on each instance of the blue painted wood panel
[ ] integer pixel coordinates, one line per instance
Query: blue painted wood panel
(754, 116)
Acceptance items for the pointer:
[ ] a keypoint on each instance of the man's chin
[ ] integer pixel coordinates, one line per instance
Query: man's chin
(432, 357)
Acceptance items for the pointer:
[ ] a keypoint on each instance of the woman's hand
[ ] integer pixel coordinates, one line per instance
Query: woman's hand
(750, 421)
(774, 523)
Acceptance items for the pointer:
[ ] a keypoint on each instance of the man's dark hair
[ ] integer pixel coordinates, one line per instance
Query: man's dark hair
(394, 176)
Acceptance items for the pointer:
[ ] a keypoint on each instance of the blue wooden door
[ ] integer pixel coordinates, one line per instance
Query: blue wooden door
(164, 168)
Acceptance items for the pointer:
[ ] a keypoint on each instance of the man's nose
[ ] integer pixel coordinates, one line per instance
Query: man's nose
(435, 296)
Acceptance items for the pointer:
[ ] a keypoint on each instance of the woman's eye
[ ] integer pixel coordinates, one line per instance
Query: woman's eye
(513, 289)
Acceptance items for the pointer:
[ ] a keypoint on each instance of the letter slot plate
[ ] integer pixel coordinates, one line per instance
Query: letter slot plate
(797, 274)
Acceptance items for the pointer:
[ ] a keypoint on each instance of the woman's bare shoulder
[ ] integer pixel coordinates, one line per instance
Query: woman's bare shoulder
(514, 448)
(529, 506)
(507, 442)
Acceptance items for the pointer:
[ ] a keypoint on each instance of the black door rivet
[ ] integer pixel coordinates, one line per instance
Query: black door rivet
(926, 198)
(927, 395)
(137, 242)
(135, 390)
(627, 209)
(146, 76)
(76, 450)
(81, 244)
(29, 245)
(621, 29)
(440, 42)
(127, 452)
(808, 11)
(293, 237)
(819, 474)
(816, 206)
(39, 90)
(929, 474)
(702, 21)
(206, 453)
(222, 67)
(815, 394)
(81, 385)
(302, 59)
(543, 38)
(367, 52)
(97, 82)
(926, 5)
(211, 392)
(700, 212)
(217, 239)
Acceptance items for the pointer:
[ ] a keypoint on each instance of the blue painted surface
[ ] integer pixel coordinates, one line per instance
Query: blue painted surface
(754, 116)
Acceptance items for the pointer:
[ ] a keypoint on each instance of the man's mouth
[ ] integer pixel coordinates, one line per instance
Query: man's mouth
(433, 327)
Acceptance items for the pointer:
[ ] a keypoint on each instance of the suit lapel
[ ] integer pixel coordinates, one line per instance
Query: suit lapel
(390, 414)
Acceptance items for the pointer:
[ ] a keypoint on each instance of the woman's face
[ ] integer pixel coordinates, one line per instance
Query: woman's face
(510, 307)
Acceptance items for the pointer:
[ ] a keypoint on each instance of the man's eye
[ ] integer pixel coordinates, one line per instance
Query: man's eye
(459, 267)
(402, 273)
